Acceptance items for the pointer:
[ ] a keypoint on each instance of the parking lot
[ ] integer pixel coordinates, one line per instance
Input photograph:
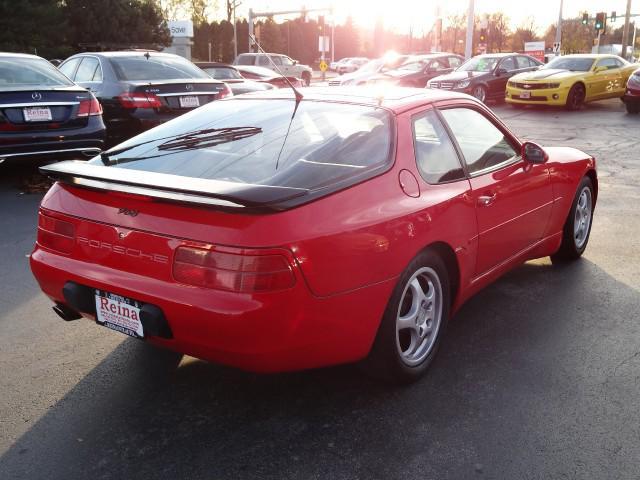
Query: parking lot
(537, 378)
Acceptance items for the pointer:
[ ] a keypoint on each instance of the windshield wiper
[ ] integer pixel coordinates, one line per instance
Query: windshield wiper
(209, 138)
(183, 141)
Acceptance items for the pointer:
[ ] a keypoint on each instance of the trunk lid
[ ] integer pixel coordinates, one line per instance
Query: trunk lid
(181, 95)
(37, 110)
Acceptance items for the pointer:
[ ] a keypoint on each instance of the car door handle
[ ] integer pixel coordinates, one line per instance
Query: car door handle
(487, 200)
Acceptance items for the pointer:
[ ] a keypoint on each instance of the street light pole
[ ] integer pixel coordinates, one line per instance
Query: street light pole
(468, 49)
(559, 27)
(625, 30)
(235, 30)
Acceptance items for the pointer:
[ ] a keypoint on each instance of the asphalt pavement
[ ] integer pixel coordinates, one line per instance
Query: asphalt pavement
(538, 377)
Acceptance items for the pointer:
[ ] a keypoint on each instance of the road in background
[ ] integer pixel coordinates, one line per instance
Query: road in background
(537, 377)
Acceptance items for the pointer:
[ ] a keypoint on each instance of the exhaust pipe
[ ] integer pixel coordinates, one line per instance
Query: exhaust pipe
(66, 313)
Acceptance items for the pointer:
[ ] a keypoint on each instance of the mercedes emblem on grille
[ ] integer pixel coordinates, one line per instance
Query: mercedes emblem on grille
(36, 96)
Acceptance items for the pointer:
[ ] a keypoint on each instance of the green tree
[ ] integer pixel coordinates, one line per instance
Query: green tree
(33, 26)
(115, 23)
(270, 37)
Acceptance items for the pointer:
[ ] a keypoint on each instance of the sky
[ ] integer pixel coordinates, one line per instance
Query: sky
(400, 15)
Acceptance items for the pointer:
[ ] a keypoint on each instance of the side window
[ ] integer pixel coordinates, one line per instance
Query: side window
(286, 61)
(454, 62)
(482, 143)
(88, 70)
(263, 61)
(69, 67)
(276, 59)
(524, 62)
(245, 60)
(508, 64)
(610, 63)
(436, 156)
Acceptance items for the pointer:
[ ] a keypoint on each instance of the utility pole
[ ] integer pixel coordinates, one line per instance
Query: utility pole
(559, 27)
(468, 49)
(235, 29)
(625, 31)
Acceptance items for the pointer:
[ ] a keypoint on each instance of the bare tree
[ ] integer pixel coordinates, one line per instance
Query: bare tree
(498, 31)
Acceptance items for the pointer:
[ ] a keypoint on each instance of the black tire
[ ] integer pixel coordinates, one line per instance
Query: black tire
(385, 361)
(306, 78)
(575, 98)
(632, 108)
(571, 248)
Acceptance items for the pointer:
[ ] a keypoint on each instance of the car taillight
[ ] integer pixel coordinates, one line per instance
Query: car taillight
(89, 108)
(225, 92)
(252, 272)
(139, 100)
(55, 234)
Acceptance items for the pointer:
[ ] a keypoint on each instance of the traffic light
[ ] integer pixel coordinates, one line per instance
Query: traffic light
(483, 35)
(613, 16)
(600, 21)
(585, 18)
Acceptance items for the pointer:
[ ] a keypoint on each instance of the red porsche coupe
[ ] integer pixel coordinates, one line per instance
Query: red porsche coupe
(272, 232)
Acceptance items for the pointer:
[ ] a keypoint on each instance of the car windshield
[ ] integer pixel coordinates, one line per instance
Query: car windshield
(222, 73)
(479, 64)
(413, 66)
(150, 67)
(251, 141)
(24, 73)
(574, 64)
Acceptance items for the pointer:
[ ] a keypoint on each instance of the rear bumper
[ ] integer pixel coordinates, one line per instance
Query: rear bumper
(281, 331)
(62, 144)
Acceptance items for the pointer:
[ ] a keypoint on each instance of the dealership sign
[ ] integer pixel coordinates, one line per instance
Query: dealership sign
(535, 49)
(181, 28)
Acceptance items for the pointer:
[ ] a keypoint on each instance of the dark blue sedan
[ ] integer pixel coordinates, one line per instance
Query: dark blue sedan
(43, 114)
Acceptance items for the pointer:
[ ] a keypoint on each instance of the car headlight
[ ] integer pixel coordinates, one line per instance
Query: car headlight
(634, 80)
(554, 85)
(511, 84)
(463, 83)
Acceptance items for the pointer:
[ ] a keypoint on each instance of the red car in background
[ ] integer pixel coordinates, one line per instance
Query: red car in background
(349, 231)
(631, 96)
(261, 74)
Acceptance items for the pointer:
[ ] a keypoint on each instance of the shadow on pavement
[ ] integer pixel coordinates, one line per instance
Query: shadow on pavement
(526, 368)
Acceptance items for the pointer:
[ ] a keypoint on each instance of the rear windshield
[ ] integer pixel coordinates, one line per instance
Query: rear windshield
(222, 73)
(245, 60)
(155, 67)
(19, 73)
(326, 144)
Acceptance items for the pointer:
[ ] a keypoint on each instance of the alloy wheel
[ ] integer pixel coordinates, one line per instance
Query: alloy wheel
(419, 316)
(582, 220)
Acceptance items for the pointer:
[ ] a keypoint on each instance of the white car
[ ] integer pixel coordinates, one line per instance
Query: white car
(351, 65)
(369, 70)
(333, 66)
(289, 67)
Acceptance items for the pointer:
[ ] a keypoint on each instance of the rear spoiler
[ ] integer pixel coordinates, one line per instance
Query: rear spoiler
(175, 188)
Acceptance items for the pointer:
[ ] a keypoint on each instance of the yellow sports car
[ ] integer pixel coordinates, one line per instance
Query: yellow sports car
(570, 81)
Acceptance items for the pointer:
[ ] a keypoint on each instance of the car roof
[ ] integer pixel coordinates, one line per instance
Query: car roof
(214, 65)
(394, 98)
(591, 55)
(18, 55)
(129, 53)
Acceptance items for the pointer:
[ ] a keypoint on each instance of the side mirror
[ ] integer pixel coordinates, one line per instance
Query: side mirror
(501, 71)
(533, 153)
(295, 62)
(600, 69)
